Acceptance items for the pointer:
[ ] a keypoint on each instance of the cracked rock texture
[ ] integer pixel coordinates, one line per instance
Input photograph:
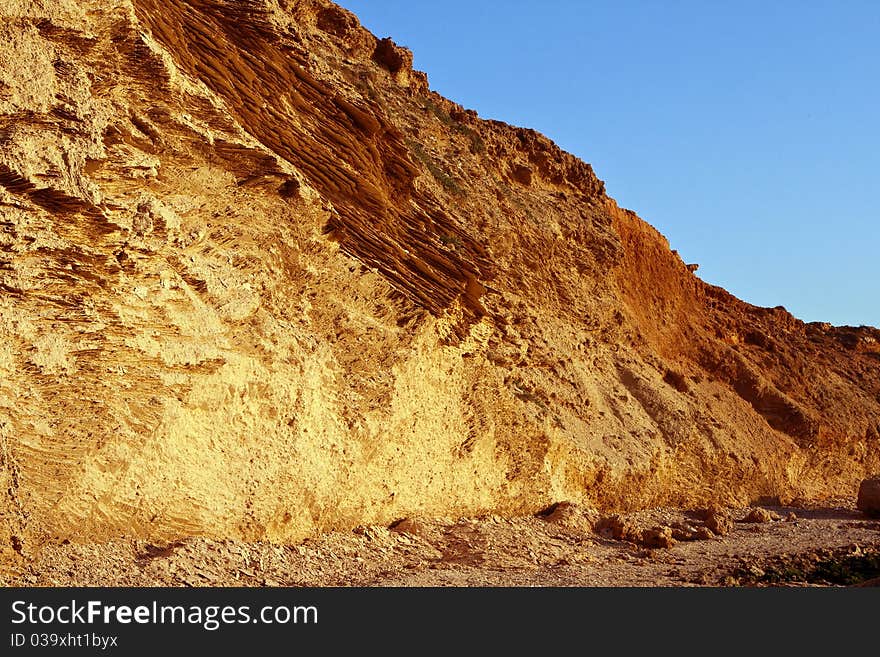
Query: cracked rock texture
(258, 282)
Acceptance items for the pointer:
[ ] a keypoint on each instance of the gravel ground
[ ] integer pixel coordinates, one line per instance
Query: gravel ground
(568, 547)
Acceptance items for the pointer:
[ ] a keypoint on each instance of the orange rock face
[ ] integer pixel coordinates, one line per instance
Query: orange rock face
(258, 281)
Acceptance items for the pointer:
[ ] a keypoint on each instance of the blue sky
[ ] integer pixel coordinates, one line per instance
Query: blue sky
(748, 133)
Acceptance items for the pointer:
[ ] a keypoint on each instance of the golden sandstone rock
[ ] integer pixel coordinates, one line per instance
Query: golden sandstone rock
(258, 281)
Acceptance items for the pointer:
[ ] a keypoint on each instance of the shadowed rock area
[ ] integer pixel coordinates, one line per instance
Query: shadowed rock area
(258, 282)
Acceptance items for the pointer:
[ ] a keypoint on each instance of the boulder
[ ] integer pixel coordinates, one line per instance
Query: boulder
(619, 528)
(759, 515)
(657, 537)
(718, 520)
(869, 496)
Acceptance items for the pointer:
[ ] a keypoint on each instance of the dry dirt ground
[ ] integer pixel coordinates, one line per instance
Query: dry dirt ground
(833, 546)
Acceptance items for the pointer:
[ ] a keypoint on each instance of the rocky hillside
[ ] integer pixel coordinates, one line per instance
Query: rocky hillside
(257, 281)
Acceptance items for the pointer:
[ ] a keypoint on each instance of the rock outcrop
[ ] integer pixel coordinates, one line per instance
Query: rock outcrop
(258, 281)
(868, 500)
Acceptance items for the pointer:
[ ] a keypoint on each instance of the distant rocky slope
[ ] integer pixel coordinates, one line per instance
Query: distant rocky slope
(257, 281)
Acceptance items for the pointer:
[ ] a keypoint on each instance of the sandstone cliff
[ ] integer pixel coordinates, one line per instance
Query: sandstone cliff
(258, 281)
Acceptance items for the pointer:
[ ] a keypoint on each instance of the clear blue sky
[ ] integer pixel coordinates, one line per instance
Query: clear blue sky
(747, 132)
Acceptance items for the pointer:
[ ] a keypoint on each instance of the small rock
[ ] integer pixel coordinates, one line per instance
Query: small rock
(658, 537)
(869, 496)
(791, 517)
(622, 529)
(703, 579)
(704, 534)
(761, 516)
(755, 571)
(681, 531)
(718, 520)
(618, 528)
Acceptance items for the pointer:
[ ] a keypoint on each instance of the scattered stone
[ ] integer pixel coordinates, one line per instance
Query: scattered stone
(704, 534)
(621, 529)
(761, 516)
(681, 531)
(755, 571)
(703, 579)
(869, 496)
(618, 528)
(718, 520)
(658, 537)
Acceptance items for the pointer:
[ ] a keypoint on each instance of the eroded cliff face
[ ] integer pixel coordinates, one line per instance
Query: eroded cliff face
(258, 281)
